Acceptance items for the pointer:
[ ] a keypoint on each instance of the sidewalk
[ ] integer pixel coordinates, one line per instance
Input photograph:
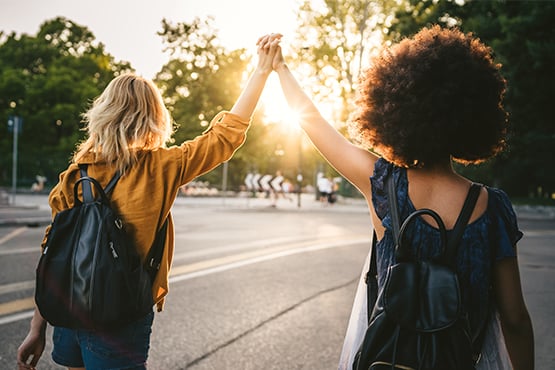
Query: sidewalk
(33, 210)
(28, 210)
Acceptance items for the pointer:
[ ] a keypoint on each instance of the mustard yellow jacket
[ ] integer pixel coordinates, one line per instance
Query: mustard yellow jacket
(145, 194)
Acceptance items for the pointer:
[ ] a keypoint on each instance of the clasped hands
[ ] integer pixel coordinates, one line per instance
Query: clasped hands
(269, 47)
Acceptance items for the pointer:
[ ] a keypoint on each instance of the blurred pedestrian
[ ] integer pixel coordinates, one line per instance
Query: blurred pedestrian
(325, 188)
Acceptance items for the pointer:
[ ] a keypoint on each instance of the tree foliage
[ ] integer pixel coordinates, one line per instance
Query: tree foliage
(49, 79)
(523, 39)
(333, 45)
(202, 78)
(334, 40)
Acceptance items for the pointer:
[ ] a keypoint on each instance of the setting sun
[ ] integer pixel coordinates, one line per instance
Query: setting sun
(276, 109)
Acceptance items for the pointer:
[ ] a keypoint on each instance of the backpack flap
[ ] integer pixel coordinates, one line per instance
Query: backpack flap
(422, 296)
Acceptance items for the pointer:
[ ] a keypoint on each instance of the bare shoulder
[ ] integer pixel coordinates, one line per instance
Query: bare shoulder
(444, 192)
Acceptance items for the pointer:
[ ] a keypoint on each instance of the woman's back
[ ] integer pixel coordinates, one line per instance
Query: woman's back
(444, 191)
(490, 235)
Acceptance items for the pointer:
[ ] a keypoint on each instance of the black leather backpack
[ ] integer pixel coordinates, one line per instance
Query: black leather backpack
(417, 321)
(89, 274)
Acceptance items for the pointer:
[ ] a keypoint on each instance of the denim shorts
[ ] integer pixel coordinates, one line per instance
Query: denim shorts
(125, 348)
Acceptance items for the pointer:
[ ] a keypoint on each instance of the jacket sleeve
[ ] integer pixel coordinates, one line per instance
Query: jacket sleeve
(217, 144)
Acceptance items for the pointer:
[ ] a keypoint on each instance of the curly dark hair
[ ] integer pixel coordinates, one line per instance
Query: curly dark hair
(433, 96)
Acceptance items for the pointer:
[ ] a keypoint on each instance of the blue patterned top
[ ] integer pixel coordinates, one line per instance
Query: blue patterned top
(496, 227)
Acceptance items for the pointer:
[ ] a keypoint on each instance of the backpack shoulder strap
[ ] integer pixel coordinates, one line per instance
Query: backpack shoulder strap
(154, 256)
(452, 249)
(112, 182)
(371, 278)
(87, 189)
(393, 206)
(460, 224)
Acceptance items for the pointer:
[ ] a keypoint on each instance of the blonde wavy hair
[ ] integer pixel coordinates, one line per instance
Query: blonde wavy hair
(129, 116)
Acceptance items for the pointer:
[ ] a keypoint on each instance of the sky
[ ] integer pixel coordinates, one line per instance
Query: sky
(128, 27)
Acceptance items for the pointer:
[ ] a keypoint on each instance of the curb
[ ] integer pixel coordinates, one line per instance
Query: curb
(32, 219)
(26, 221)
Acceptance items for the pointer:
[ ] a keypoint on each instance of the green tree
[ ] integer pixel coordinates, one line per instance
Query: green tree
(523, 39)
(49, 79)
(202, 78)
(333, 44)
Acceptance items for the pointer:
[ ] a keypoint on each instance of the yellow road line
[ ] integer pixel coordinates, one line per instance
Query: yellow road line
(17, 305)
(222, 262)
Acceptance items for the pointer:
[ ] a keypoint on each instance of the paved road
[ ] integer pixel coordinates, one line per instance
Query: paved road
(255, 286)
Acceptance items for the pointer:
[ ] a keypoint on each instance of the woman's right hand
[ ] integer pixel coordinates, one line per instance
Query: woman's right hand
(29, 352)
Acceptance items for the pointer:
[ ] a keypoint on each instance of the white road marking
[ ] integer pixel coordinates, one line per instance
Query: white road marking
(12, 234)
(204, 268)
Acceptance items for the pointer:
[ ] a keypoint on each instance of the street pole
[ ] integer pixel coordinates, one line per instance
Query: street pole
(224, 181)
(14, 157)
(300, 171)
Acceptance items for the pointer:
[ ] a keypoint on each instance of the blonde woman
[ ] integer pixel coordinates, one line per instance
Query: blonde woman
(128, 126)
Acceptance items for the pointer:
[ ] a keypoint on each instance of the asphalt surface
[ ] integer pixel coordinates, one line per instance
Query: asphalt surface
(286, 313)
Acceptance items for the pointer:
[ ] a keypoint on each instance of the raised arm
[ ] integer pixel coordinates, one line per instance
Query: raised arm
(247, 101)
(227, 132)
(354, 163)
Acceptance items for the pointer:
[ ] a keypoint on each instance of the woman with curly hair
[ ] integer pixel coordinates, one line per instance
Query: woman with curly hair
(424, 103)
